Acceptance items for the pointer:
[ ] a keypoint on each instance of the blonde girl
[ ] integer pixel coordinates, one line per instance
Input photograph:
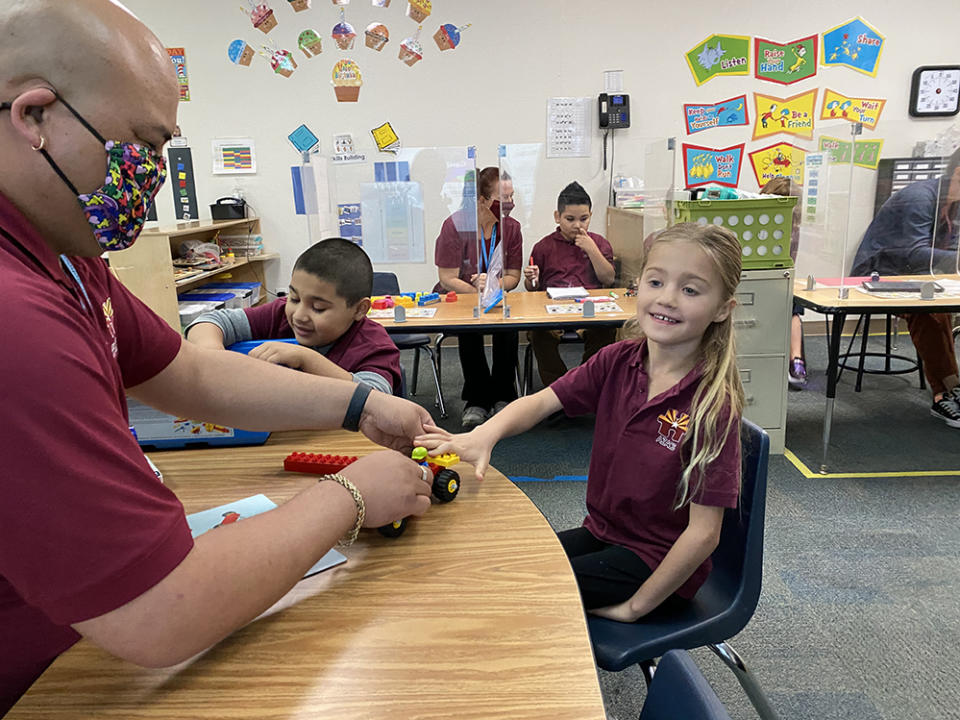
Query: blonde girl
(666, 447)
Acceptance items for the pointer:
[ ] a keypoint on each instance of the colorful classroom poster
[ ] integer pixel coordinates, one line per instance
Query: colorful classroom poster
(854, 109)
(720, 55)
(793, 115)
(780, 160)
(856, 44)
(722, 114)
(785, 63)
(867, 153)
(178, 57)
(350, 223)
(233, 156)
(184, 190)
(386, 138)
(703, 165)
(814, 211)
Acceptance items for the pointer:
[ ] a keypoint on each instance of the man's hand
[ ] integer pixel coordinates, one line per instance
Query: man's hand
(393, 422)
(392, 486)
(282, 353)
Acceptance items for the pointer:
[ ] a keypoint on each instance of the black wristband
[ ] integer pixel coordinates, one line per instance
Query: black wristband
(351, 421)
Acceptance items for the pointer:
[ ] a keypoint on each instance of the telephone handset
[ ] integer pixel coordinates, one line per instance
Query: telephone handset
(614, 111)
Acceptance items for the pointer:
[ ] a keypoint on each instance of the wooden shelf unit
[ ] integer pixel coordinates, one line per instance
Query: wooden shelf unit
(147, 267)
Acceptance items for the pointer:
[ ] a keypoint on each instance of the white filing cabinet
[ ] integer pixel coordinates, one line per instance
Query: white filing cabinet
(762, 323)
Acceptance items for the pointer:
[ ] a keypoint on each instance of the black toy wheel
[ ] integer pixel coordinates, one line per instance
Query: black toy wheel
(394, 529)
(446, 485)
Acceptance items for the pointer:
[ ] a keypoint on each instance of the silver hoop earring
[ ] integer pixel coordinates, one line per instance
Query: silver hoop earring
(43, 142)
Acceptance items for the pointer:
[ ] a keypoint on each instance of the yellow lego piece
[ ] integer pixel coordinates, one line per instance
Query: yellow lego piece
(445, 460)
(405, 301)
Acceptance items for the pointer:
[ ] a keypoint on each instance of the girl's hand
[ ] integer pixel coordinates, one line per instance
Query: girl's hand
(281, 353)
(621, 613)
(473, 447)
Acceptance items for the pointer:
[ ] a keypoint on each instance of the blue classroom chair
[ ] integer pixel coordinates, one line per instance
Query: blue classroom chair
(679, 690)
(386, 283)
(724, 604)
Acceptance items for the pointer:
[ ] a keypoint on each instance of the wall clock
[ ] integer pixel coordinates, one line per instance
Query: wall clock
(935, 91)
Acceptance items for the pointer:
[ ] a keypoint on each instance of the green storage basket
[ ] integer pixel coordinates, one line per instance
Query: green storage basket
(763, 226)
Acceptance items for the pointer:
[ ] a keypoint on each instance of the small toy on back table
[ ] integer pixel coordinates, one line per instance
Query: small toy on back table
(451, 297)
(428, 299)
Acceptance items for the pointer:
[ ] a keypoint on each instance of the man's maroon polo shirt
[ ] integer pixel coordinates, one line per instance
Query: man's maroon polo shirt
(635, 462)
(85, 526)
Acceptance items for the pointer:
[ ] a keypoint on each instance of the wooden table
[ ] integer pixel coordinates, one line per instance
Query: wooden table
(472, 613)
(827, 300)
(528, 311)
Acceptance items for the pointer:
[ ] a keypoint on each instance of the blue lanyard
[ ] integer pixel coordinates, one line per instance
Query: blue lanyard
(487, 257)
(76, 278)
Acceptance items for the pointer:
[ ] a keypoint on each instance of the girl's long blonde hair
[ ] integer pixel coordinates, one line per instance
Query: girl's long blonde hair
(720, 392)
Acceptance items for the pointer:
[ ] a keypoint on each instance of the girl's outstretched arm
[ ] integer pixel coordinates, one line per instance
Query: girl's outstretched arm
(694, 545)
(476, 446)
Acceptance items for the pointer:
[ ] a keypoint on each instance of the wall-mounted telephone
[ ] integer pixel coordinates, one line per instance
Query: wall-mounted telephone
(614, 111)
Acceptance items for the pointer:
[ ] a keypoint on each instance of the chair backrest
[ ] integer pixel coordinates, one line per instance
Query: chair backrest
(738, 559)
(385, 283)
(679, 690)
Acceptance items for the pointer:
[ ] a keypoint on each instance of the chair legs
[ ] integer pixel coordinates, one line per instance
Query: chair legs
(747, 681)
(436, 378)
(416, 371)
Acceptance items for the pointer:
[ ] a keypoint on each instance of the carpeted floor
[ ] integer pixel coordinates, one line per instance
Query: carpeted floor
(859, 617)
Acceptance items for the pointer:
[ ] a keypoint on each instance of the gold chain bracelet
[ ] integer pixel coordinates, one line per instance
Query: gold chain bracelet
(351, 536)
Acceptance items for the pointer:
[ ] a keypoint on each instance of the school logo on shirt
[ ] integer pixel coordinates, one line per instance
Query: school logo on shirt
(107, 308)
(673, 426)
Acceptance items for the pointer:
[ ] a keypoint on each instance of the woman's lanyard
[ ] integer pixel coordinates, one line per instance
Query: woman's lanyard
(487, 256)
(88, 306)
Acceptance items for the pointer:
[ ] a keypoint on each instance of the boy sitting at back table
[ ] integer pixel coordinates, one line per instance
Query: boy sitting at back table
(569, 257)
(326, 311)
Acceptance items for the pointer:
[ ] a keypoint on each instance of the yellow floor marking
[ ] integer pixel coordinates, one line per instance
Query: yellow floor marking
(808, 473)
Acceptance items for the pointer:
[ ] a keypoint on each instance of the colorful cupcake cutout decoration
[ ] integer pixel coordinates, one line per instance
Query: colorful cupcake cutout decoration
(419, 10)
(299, 5)
(281, 61)
(347, 81)
(261, 16)
(240, 53)
(447, 37)
(343, 33)
(377, 36)
(411, 52)
(310, 43)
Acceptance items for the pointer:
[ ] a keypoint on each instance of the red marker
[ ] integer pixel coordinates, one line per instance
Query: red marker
(534, 280)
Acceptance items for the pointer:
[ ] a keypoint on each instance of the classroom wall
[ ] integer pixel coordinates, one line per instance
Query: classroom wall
(493, 89)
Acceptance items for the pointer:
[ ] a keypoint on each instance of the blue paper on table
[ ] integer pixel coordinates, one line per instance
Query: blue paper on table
(201, 522)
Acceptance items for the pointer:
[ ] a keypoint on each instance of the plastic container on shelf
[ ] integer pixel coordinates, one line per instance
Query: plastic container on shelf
(763, 226)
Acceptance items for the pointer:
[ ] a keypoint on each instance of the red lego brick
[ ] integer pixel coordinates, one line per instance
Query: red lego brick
(451, 296)
(316, 463)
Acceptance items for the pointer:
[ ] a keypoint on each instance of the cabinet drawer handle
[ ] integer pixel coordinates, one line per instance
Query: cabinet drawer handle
(745, 298)
(745, 323)
(745, 375)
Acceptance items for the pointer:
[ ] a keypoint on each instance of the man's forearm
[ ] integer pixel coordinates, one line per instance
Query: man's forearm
(258, 396)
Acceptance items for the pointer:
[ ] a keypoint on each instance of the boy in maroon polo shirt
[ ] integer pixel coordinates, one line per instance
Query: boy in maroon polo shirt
(666, 448)
(91, 544)
(570, 256)
(326, 312)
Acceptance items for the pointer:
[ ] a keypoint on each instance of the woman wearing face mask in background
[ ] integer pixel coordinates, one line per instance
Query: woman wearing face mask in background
(486, 390)
(91, 544)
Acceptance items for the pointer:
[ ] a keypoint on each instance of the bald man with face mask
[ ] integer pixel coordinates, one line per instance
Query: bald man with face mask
(91, 545)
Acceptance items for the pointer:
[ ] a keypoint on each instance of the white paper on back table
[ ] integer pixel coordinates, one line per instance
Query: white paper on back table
(566, 293)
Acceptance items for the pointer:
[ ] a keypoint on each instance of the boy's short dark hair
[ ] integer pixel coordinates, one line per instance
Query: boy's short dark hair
(341, 263)
(573, 194)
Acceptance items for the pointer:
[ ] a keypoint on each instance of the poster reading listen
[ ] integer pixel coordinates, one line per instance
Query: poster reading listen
(719, 55)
